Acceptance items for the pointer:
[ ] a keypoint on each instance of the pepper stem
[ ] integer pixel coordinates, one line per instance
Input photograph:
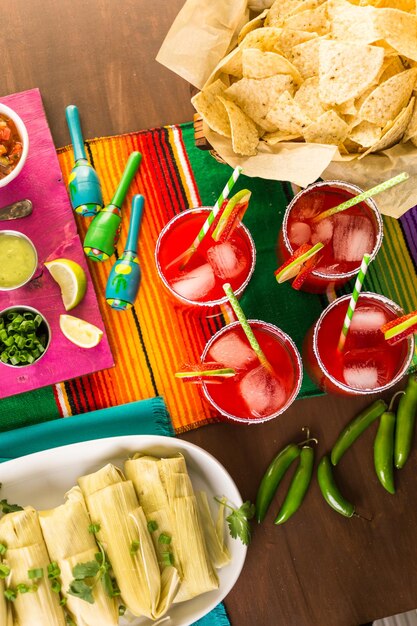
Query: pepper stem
(391, 404)
(307, 432)
(362, 517)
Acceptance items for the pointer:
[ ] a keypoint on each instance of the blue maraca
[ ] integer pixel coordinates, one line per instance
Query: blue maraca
(84, 186)
(124, 280)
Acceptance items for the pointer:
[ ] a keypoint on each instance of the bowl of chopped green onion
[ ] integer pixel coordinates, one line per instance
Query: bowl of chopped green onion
(25, 336)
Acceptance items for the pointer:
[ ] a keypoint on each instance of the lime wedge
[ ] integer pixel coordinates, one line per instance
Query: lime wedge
(71, 278)
(295, 263)
(80, 332)
(399, 329)
(232, 214)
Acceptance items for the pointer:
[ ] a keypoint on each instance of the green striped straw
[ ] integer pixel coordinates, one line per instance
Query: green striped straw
(353, 300)
(246, 327)
(186, 256)
(391, 182)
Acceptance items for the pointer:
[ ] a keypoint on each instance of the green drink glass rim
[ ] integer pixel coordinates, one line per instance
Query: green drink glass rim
(17, 233)
(343, 386)
(286, 341)
(341, 184)
(202, 303)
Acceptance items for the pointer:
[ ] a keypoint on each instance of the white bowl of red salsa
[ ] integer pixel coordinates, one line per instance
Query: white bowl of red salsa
(14, 144)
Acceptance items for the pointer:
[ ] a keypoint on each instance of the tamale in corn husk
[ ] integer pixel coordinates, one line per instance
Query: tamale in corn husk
(112, 504)
(214, 533)
(20, 532)
(144, 473)
(199, 574)
(69, 543)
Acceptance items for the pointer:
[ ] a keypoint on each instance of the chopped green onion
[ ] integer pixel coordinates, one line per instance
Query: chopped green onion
(3, 549)
(10, 594)
(23, 338)
(152, 526)
(22, 588)
(167, 558)
(35, 574)
(164, 538)
(94, 528)
(122, 610)
(134, 547)
(56, 586)
(4, 571)
(53, 570)
(63, 601)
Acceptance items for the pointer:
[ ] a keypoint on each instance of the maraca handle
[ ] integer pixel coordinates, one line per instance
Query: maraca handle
(74, 125)
(127, 177)
(135, 221)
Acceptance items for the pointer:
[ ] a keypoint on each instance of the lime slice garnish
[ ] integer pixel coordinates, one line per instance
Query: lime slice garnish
(232, 213)
(400, 328)
(293, 266)
(71, 278)
(80, 332)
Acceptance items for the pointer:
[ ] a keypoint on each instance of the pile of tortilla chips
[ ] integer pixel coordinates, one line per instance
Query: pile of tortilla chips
(320, 71)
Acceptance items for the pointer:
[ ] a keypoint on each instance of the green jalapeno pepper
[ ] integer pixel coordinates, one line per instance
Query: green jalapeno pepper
(404, 429)
(355, 428)
(298, 487)
(384, 451)
(330, 490)
(272, 478)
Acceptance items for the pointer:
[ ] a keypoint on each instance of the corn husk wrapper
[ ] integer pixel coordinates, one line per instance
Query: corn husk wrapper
(199, 574)
(26, 550)
(143, 471)
(112, 503)
(214, 533)
(65, 530)
(6, 616)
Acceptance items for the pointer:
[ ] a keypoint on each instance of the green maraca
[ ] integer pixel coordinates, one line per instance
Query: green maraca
(104, 230)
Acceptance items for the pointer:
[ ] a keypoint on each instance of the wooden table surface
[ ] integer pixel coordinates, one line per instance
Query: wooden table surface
(319, 569)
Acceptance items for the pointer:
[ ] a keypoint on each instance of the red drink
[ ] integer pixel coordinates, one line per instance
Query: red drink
(253, 394)
(200, 283)
(367, 363)
(346, 235)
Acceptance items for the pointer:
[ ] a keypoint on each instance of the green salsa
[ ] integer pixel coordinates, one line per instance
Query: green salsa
(17, 260)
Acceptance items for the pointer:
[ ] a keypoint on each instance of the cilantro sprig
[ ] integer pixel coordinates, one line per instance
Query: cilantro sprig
(238, 520)
(87, 575)
(6, 507)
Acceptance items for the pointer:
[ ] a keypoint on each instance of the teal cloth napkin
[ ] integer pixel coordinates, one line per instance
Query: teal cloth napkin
(144, 417)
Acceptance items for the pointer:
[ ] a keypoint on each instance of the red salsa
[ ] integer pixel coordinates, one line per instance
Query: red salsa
(10, 146)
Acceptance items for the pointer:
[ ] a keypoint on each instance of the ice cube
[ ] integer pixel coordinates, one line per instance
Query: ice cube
(367, 320)
(353, 235)
(299, 233)
(261, 392)
(226, 260)
(308, 206)
(359, 377)
(196, 284)
(322, 232)
(232, 351)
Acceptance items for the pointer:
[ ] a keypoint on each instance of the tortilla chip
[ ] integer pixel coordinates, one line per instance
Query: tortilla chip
(256, 97)
(411, 130)
(314, 20)
(278, 136)
(289, 38)
(352, 23)
(231, 64)
(346, 69)
(281, 8)
(402, 5)
(393, 131)
(328, 128)
(399, 29)
(288, 116)
(365, 134)
(392, 65)
(351, 146)
(244, 132)
(307, 97)
(389, 98)
(347, 108)
(265, 39)
(257, 22)
(305, 57)
(258, 64)
(211, 109)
